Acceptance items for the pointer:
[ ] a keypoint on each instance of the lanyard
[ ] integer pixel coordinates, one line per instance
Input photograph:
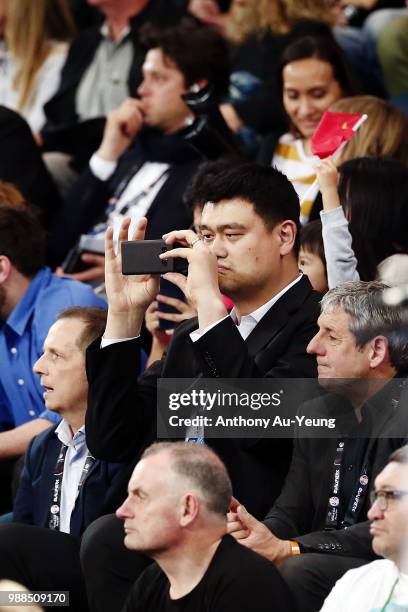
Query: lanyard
(55, 509)
(357, 498)
(123, 210)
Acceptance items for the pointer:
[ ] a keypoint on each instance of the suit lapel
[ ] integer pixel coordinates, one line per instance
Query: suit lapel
(277, 316)
(50, 461)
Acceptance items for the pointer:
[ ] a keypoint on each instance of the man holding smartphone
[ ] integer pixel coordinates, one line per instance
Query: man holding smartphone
(248, 251)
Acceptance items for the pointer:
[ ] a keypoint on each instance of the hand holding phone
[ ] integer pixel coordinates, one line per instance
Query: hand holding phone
(128, 296)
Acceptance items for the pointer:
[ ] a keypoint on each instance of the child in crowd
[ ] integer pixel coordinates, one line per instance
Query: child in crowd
(364, 220)
(312, 261)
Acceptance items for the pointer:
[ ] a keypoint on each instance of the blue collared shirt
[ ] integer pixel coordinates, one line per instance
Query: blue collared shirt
(21, 344)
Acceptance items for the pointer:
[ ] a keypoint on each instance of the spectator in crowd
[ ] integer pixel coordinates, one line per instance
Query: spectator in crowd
(393, 54)
(21, 164)
(103, 68)
(371, 139)
(258, 32)
(47, 497)
(181, 524)
(30, 299)
(32, 55)
(365, 219)
(143, 164)
(312, 260)
(381, 584)
(313, 76)
(316, 529)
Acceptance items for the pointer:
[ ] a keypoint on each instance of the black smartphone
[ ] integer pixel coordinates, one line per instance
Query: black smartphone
(170, 290)
(142, 257)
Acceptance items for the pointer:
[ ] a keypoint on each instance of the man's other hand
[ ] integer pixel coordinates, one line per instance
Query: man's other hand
(250, 532)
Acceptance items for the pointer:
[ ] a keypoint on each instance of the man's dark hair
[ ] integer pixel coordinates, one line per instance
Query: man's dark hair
(195, 194)
(22, 239)
(269, 191)
(94, 319)
(198, 51)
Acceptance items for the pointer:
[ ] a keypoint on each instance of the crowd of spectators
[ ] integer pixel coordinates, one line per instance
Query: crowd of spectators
(192, 122)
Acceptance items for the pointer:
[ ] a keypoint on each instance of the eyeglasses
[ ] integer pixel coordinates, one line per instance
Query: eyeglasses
(382, 498)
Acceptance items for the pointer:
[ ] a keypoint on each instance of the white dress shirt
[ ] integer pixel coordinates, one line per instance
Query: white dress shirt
(249, 321)
(74, 463)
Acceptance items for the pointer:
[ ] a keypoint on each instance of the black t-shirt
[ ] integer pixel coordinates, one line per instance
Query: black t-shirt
(237, 580)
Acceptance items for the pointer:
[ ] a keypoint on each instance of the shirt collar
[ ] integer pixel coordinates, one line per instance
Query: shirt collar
(21, 314)
(260, 312)
(106, 34)
(64, 434)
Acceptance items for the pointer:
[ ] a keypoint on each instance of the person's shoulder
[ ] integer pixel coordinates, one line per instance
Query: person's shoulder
(239, 562)
(147, 587)
(302, 295)
(41, 440)
(368, 573)
(73, 291)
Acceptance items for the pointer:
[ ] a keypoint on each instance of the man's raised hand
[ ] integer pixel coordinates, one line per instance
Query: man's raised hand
(128, 296)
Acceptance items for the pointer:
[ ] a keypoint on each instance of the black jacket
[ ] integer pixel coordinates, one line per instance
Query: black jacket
(102, 492)
(88, 200)
(300, 511)
(121, 417)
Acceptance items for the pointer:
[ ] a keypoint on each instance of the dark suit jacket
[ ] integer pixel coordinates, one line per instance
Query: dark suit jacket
(300, 511)
(88, 200)
(102, 492)
(21, 163)
(121, 418)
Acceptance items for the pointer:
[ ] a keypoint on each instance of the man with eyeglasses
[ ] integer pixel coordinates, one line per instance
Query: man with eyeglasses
(383, 584)
(316, 530)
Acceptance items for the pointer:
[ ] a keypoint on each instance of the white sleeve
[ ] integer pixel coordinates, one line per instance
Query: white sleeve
(341, 263)
(109, 341)
(102, 168)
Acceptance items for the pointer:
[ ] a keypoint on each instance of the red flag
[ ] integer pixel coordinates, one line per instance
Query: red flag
(332, 131)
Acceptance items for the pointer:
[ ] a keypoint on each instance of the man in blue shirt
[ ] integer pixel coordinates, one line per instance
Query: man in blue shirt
(30, 299)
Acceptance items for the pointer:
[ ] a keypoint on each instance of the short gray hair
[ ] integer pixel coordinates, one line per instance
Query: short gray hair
(370, 317)
(400, 455)
(203, 468)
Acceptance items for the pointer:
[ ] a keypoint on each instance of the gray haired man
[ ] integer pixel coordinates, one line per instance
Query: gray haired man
(316, 528)
(175, 512)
